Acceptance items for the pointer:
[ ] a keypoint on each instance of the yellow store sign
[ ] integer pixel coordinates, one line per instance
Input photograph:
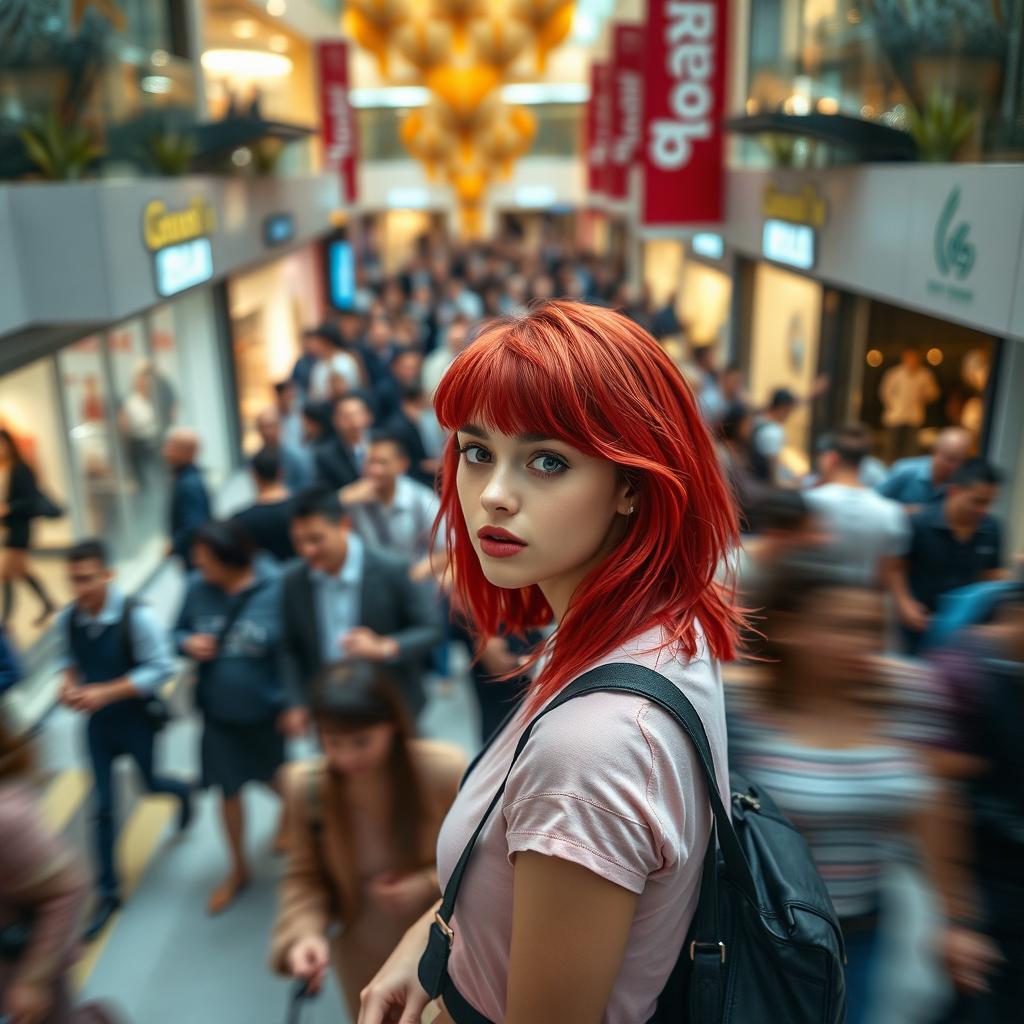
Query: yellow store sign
(162, 227)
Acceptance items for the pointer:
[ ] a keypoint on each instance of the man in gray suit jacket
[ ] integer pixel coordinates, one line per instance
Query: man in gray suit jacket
(349, 600)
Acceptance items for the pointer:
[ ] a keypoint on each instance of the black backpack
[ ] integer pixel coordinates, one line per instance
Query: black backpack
(764, 945)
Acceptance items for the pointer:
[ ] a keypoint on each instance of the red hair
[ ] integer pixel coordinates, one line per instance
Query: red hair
(597, 381)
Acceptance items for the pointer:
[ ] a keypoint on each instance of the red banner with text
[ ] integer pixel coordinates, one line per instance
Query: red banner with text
(685, 47)
(627, 107)
(337, 119)
(599, 124)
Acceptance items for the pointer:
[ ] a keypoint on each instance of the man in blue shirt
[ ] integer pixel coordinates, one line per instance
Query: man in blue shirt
(922, 480)
(114, 656)
(953, 544)
(190, 504)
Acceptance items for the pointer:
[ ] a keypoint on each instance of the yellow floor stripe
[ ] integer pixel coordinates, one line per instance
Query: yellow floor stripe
(135, 847)
(63, 798)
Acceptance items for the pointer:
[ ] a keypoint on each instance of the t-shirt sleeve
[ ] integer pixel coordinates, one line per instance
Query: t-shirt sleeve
(586, 790)
(897, 539)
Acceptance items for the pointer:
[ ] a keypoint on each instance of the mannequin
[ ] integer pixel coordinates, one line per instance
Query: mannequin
(580, 489)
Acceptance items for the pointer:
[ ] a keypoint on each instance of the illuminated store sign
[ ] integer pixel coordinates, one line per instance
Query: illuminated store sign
(791, 244)
(162, 227)
(183, 266)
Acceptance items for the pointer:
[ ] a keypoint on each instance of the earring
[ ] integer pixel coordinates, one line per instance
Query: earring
(632, 509)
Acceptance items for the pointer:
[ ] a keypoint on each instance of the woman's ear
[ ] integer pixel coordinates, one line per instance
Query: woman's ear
(626, 500)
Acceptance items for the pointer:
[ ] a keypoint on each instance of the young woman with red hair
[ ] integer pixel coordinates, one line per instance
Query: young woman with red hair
(581, 488)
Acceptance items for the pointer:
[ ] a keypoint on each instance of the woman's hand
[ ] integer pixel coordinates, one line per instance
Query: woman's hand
(403, 895)
(308, 959)
(395, 995)
(970, 958)
(27, 1004)
(200, 646)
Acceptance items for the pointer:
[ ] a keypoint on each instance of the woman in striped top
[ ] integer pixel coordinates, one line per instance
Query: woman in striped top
(815, 742)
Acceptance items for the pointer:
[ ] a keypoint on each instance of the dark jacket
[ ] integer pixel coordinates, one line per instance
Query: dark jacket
(190, 509)
(22, 494)
(335, 463)
(408, 430)
(391, 605)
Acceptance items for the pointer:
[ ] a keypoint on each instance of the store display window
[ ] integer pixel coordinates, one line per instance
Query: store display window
(921, 374)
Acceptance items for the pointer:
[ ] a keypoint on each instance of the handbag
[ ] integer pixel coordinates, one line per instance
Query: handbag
(764, 944)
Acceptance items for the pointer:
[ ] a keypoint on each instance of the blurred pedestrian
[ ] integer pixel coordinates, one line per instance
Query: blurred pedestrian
(866, 532)
(326, 346)
(10, 662)
(139, 421)
(348, 601)
(922, 480)
(43, 895)
(953, 543)
(456, 338)
(19, 507)
(296, 461)
(230, 625)
(289, 410)
(339, 458)
(268, 520)
(364, 826)
(113, 656)
(190, 503)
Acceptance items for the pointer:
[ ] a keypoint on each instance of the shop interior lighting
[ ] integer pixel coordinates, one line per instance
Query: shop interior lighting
(797, 104)
(160, 58)
(276, 8)
(244, 28)
(828, 105)
(874, 357)
(278, 43)
(934, 356)
(246, 64)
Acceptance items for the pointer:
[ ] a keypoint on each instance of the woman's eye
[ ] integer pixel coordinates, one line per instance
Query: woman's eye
(475, 455)
(549, 465)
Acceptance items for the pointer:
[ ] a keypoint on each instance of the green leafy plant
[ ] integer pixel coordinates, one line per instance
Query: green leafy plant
(61, 152)
(172, 152)
(941, 127)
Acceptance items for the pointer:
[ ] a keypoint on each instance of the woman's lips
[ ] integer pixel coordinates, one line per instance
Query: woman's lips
(500, 548)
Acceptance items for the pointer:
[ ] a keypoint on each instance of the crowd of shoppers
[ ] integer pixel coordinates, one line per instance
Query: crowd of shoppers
(322, 607)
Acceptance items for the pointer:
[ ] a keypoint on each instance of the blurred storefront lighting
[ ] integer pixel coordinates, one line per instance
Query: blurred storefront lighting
(874, 357)
(244, 29)
(828, 105)
(853, 16)
(934, 356)
(797, 104)
(160, 58)
(278, 43)
(156, 84)
(246, 64)
(516, 93)
(276, 8)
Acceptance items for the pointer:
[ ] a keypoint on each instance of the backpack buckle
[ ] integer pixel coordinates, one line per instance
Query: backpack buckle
(710, 946)
(446, 928)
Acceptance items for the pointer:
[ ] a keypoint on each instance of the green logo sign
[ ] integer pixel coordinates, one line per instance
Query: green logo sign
(953, 252)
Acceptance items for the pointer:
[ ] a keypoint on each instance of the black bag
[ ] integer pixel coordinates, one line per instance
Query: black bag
(764, 945)
(300, 995)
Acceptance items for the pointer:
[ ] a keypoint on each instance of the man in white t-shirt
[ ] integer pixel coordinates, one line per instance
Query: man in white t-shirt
(324, 344)
(906, 392)
(866, 532)
(456, 338)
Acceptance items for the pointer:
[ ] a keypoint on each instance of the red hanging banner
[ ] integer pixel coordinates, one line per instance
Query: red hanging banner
(685, 48)
(337, 119)
(627, 105)
(598, 134)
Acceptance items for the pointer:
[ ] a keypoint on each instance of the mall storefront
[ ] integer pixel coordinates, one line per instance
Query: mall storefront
(837, 273)
(142, 345)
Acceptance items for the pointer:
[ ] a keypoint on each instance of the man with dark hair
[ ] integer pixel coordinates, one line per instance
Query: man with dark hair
(289, 411)
(906, 390)
(325, 344)
(350, 600)
(865, 531)
(268, 520)
(114, 655)
(953, 543)
(389, 509)
(409, 424)
(339, 459)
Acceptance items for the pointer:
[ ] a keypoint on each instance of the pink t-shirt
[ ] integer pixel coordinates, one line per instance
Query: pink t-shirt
(610, 782)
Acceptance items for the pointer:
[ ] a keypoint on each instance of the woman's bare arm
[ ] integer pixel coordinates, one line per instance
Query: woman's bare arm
(569, 933)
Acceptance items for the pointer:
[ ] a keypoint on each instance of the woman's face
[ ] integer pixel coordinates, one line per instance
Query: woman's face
(359, 752)
(565, 510)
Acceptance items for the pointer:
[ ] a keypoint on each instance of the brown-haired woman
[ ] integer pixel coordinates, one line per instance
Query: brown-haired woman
(364, 823)
(42, 896)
